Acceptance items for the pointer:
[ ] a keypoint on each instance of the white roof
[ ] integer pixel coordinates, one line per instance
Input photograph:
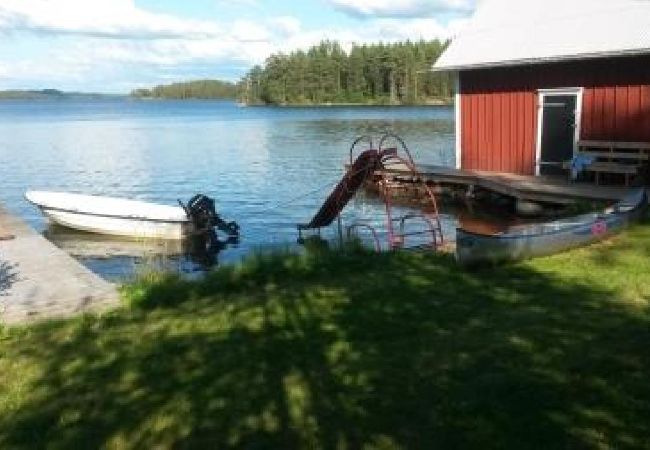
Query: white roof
(513, 32)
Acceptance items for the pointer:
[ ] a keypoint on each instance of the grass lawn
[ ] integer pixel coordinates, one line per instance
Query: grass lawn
(349, 351)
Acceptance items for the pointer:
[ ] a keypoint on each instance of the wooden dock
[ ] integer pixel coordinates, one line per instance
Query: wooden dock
(522, 187)
(39, 281)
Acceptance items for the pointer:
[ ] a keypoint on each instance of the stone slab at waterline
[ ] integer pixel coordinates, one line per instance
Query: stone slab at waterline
(39, 281)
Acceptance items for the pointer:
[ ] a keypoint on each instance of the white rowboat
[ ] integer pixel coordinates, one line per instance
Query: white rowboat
(112, 216)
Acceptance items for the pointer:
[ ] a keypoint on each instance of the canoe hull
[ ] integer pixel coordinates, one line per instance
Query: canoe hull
(119, 226)
(475, 249)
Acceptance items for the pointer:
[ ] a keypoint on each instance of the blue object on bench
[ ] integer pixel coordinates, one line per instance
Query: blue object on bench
(579, 163)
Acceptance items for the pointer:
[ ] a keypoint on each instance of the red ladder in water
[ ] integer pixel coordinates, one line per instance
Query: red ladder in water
(396, 226)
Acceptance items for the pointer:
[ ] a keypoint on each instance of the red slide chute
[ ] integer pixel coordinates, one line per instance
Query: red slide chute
(363, 167)
(373, 164)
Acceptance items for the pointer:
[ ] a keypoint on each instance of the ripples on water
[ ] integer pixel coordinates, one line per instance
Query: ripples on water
(249, 159)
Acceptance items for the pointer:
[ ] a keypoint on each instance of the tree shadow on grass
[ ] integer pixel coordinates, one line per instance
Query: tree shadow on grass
(390, 351)
(8, 276)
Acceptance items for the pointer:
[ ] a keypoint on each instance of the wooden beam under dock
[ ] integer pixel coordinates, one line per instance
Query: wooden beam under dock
(531, 188)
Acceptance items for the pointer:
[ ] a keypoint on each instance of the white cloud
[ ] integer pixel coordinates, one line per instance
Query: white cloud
(248, 3)
(98, 18)
(29, 71)
(110, 44)
(402, 8)
(249, 31)
(417, 29)
(286, 25)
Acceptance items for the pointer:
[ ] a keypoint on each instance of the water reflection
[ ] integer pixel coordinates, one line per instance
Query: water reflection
(98, 246)
(123, 257)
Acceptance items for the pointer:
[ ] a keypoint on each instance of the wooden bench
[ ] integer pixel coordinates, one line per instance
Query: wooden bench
(625, 158)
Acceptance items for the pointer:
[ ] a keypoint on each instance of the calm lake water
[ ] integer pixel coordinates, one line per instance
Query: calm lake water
(256, 162)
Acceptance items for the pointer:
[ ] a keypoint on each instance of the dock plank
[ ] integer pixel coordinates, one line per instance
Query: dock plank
(39, 281)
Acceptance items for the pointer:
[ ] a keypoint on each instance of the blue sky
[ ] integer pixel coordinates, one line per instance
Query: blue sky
(117, 45)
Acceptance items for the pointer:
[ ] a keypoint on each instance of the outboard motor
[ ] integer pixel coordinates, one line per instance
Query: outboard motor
(203, 214)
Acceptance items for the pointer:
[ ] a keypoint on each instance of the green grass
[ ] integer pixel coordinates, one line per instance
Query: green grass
(349, 351)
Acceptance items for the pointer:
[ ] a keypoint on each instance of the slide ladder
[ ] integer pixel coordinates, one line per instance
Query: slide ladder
(399, 157)
(367, 166)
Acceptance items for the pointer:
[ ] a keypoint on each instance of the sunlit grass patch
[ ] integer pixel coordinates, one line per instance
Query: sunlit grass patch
(348, 349)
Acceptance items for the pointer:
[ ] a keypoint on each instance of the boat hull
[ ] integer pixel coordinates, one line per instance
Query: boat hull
(475, 249)
(119, 226)
(112, 216)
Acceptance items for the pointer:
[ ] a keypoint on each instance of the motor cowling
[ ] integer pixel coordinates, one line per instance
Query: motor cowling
(201, 211)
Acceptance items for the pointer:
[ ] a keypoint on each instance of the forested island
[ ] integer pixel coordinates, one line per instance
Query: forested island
(391, 74)
(199, 89)
(375, 74)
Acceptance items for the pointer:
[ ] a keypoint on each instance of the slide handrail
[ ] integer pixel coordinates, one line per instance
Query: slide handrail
(356, 142)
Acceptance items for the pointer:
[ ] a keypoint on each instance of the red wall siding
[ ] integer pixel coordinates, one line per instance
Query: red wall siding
(499, 108)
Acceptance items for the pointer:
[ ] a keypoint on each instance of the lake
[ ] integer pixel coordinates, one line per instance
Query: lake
(268, 168)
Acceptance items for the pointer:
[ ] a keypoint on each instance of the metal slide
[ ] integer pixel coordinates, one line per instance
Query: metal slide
(363, 167)
(368, 167)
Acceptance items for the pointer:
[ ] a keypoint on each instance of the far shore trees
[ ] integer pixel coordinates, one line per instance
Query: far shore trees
(200, 89)
(373, 74)
(397, 73)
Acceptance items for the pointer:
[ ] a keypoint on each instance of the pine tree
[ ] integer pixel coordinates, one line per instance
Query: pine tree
(396, 73)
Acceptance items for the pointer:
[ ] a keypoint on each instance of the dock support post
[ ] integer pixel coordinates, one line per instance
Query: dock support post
(340, 228)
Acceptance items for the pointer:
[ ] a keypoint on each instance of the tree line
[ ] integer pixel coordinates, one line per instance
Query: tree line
(383, 73)
(200, 89)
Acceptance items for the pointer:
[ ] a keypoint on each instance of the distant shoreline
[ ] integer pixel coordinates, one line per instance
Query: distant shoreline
(82, 96)
(52, 94)
(432, 102)
(301, 105)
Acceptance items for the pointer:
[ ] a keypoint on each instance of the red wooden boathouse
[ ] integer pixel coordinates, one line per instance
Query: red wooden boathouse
(536, 76)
